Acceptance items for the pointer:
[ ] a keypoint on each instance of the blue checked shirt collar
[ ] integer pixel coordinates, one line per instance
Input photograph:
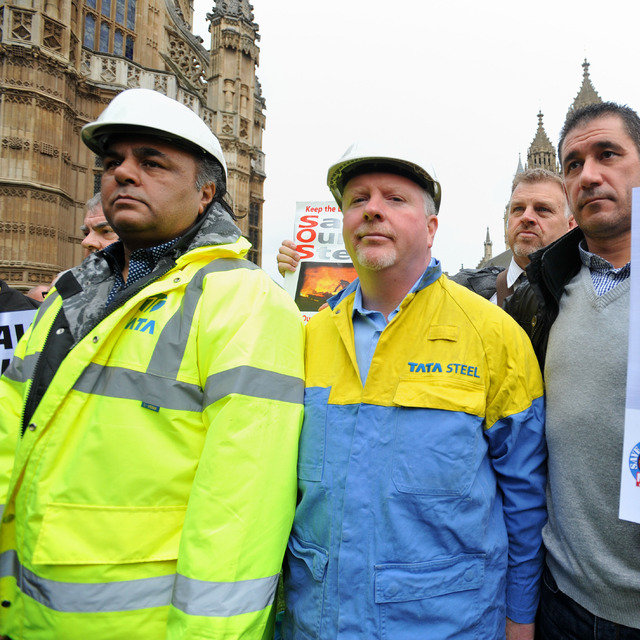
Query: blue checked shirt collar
(141, 263)
(603, 274)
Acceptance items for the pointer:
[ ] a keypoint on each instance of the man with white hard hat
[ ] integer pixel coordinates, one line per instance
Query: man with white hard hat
(421, 471)
(151, 415)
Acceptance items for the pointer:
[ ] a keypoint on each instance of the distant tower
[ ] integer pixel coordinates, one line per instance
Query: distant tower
(235, 89)
(488, 250)
(587, 94)
(542, 153)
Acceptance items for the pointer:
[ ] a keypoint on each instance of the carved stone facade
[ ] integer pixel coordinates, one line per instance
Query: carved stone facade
(62, 61)
(231, 83)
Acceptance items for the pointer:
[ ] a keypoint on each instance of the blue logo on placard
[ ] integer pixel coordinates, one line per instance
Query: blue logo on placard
(634, 457)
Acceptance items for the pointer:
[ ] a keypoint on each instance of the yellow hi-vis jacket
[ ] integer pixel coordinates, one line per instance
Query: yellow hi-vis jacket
(151, 492)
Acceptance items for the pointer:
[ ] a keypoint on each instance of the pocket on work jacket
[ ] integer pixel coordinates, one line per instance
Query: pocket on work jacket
(305, 571)
(89, 534)
(436, 599)
(438, 435)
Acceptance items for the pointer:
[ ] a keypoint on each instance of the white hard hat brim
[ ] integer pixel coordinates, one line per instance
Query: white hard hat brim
(146, 112)
(359, 159)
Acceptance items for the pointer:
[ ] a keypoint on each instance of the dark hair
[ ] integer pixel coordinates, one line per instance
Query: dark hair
(629, 118)
(208, 170)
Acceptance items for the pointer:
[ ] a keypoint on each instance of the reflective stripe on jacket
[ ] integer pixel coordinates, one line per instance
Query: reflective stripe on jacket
(401, 530)
(153, 490)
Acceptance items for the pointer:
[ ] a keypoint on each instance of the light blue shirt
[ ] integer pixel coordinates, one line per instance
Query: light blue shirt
(368, 325)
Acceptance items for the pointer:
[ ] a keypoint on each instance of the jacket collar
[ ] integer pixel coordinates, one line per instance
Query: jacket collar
(553, 266)
(431, 274)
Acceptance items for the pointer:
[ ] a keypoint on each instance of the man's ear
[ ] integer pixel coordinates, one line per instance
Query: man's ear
(432, 227)
(207, 192)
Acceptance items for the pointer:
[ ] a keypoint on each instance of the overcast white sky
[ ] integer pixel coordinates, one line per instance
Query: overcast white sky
(463, 80)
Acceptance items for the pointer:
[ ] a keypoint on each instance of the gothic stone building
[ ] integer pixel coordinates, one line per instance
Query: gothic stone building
(62, 61)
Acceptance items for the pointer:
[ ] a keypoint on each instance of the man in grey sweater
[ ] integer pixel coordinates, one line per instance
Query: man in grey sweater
(576, 311)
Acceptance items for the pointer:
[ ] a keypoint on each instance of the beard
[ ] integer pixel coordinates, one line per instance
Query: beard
(374, 259)
(606, 223)
(525, 249)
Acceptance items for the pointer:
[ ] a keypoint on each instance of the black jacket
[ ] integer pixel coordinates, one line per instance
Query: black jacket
(13, 300)
(535, 304)
(480, 281)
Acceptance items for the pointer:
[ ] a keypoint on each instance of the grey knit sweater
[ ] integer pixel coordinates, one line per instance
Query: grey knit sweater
(593, 556)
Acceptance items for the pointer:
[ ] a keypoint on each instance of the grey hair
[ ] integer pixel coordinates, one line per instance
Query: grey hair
(209, 170)
(94, 202)
(429, 204)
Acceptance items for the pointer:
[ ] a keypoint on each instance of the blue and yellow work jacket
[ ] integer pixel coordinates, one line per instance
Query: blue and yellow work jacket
(150, 482)
(421, 493)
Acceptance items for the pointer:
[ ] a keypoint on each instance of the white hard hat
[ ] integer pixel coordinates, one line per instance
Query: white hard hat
(365, 157)
(144, 111)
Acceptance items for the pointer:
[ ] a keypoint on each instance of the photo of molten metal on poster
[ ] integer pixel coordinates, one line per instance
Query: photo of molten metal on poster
(318, 281)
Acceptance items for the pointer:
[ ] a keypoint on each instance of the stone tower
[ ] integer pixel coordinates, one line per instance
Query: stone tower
(488, 250)
(587, 94)
(61, 62)
(541, 153)
(232, 85)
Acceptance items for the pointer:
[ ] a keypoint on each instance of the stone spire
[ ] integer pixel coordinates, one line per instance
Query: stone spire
(541, 153)
(587, 94)
(240, 9)
(488, 248)
(520, 168)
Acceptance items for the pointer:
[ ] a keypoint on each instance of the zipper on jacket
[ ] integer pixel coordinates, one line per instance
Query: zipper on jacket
(34, 379)
(29, 406)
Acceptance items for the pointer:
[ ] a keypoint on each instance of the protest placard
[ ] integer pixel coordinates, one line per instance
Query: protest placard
(13, 324)
(630, 479)
(325, 267)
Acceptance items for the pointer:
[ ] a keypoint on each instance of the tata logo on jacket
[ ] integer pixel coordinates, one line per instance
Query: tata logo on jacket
(435, 367)
(150, 305)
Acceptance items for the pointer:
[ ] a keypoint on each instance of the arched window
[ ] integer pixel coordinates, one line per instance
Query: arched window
(89, 30)
(116, 33)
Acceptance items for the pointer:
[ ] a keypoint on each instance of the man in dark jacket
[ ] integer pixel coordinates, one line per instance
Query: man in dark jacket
(13, 300)
(538, 215)
(576, 311)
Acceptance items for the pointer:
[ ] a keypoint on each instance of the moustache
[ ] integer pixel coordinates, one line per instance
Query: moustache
(365, 230)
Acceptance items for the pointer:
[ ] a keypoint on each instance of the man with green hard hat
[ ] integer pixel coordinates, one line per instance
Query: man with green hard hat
(150, 417)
